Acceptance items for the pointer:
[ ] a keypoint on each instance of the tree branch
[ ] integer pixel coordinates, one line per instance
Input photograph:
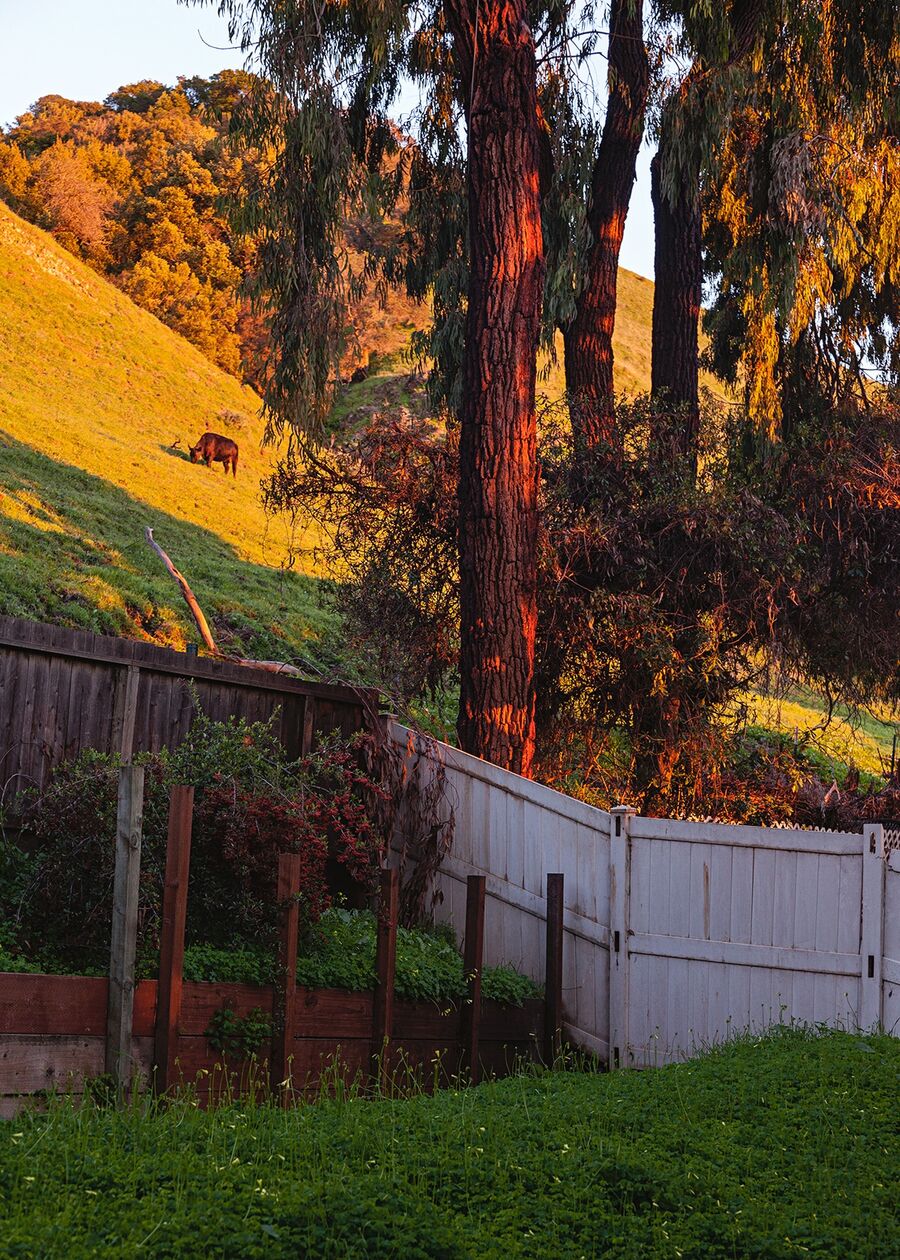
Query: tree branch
(274, 667)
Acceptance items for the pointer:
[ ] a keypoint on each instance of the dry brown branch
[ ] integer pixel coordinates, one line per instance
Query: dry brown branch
(189, 597)
(274, 667)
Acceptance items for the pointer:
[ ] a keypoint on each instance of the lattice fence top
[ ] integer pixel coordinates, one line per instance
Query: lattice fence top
(780, 824)
(891, 838)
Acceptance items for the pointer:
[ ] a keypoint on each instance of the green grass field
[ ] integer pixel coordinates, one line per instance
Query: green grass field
(862, 740)
(777, 1148)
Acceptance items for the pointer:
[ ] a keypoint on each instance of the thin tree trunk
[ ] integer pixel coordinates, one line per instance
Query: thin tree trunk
(678, 270)
(588, 339)
(498, 440)
(678, 227)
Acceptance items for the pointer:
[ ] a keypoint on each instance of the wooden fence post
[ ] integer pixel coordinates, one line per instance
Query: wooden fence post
(554, 970)
(284, 1007)
(123, 940)
(123, 722)
(619, 892)
(171, 948)
(473, 955)
(385, 963)
(871, 946)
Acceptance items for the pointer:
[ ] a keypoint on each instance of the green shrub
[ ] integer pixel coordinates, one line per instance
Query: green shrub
(245, 964)
(251, 804)
(10, 958)
(340, 954)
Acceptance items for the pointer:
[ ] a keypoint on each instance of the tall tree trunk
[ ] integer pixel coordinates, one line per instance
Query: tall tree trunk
(588, 339)
(498, 441)
(678, 270)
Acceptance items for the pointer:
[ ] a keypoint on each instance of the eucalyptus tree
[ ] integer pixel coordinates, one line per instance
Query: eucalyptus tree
(334, 71)
(782, 133)
(587, 195)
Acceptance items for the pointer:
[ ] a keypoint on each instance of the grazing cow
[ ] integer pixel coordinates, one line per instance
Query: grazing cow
(212, 446)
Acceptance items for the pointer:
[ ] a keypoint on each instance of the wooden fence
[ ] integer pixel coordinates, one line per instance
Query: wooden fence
(678, 934)
(58, 1032)
(62, 691)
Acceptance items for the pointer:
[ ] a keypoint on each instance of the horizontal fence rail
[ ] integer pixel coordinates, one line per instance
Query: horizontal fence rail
(678, 934)
(62, 691)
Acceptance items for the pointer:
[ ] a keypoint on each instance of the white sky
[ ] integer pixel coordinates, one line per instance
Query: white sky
(84, 49)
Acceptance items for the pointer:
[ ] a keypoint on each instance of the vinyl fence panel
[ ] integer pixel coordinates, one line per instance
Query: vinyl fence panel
(678, 934)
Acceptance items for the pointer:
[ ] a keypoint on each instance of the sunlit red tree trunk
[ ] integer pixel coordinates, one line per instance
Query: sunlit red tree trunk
(588, 339)
(678, 272)
(498, 442)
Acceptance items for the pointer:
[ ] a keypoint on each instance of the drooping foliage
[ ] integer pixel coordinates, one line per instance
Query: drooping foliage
(665, 592)
(803, 215)
(783, 132)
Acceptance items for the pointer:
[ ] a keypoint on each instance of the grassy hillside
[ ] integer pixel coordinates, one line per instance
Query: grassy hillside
(98, 405)
(93, 394)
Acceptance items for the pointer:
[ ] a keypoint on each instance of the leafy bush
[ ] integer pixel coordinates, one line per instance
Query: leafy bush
(239, 1035)
(10, 958)
(429, 966)
(251, 804)
(246, 964)
(340, 954)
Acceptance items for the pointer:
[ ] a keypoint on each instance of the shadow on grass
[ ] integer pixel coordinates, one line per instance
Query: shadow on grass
(175, 451)
(73, 551)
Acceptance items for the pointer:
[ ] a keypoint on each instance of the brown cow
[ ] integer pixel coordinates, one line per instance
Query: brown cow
(212, 446)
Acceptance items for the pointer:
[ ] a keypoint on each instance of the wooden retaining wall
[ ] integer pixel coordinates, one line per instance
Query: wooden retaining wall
(53, 1036)
(62, 691)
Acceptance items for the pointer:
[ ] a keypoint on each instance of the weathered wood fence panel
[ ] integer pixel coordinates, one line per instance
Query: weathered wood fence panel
(678, 934)
(62, 691)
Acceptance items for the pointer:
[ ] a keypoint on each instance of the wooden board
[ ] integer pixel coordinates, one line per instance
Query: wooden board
(62, 691)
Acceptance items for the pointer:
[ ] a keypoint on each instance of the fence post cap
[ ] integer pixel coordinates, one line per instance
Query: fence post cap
(623, 809)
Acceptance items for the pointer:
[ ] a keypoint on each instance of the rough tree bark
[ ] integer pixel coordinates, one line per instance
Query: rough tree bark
(588, 339)
(498, 440)
(678, 271)
(678, 254)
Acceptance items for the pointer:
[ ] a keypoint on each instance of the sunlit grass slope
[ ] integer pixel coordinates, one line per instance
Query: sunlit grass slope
(863, 741)
(631, 341)
(93, 394)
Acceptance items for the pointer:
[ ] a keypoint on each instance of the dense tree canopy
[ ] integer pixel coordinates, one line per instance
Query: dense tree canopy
(135, 186)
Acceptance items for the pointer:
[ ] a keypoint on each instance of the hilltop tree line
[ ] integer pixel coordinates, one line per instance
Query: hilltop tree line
(137, 187)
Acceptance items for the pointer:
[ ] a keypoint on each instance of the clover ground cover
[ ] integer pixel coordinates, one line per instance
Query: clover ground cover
(779, 1147)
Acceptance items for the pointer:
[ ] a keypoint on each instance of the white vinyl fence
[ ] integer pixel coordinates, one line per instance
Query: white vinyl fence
(677, 934)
